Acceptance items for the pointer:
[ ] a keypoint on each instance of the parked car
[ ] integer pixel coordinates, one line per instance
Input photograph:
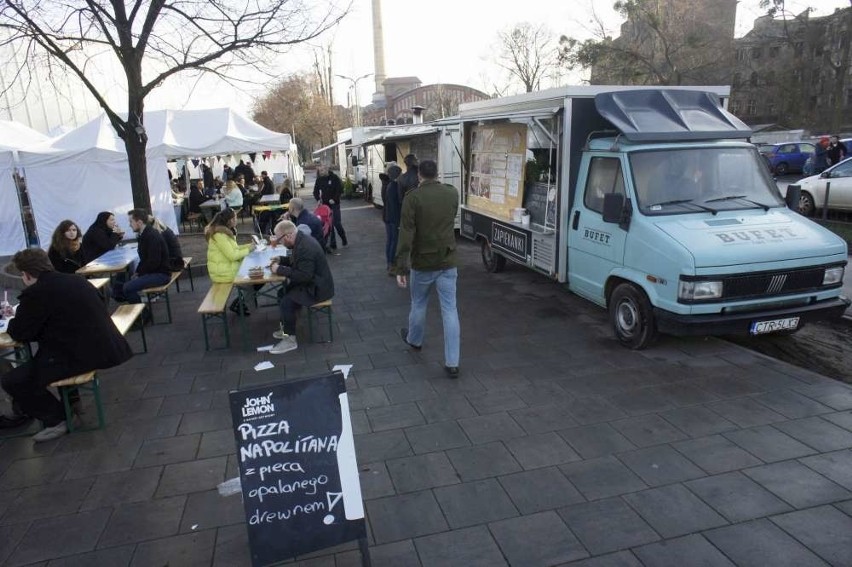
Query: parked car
(788, 157)
(840, 194)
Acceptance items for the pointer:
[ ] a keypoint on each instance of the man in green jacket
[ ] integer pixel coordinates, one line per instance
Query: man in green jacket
(427, 250)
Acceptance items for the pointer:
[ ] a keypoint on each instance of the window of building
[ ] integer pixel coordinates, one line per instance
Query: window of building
(773, 51)
(797, 75)
(751, 108)
(735, 105)
(741, 54)
(756, 52)
(737, 80)
(771, 108)
(753, 79)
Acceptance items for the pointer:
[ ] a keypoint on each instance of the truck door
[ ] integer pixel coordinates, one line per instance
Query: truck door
(595, 248)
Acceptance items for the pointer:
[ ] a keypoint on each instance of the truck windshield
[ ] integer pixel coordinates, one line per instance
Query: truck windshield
(698, 179)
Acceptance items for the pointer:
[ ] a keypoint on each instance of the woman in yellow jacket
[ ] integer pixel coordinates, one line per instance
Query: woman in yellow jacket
(224, 255)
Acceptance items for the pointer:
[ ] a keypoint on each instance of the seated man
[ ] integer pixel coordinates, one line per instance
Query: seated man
(153, 269)
(309, 280)
(299, 216)
(67, 317)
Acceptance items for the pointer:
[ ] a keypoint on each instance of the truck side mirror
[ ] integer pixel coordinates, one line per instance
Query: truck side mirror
(794, 195)
(613, 207)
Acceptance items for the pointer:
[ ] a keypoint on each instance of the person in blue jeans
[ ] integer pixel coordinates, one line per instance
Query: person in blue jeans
(426, 257)
(153, 267)
(393, 206)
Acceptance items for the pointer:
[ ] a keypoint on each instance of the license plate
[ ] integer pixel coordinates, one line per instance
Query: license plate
(763, 327)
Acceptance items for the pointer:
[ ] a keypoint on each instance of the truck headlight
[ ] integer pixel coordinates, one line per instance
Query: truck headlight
(833, 275)
(699, 291)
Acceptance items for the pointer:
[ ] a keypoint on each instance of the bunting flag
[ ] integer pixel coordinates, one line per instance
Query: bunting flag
(267, 154)
(253, 156)
(218, 159)
(195, 162)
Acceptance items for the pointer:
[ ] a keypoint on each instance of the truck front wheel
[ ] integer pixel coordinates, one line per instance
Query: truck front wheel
(632, 317)
(492, 261)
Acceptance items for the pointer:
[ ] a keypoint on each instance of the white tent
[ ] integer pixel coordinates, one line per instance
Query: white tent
(85, 171)
(12, 137)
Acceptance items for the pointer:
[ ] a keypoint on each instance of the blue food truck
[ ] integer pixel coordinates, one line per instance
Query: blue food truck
(649, 202)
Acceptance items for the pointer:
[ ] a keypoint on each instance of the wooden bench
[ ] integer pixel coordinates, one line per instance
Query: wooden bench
(316, 310)
(123, 318)
(213, 307)
(153, 293)
(100, 284)
(187, 265)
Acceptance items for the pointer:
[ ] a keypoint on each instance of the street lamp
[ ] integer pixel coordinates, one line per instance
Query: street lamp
(354, 84)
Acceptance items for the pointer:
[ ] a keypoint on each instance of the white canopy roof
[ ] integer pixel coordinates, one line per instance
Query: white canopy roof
(171, 133)
(14, 136)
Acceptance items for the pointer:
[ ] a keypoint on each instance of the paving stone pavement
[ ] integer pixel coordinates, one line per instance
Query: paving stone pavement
(555, 445)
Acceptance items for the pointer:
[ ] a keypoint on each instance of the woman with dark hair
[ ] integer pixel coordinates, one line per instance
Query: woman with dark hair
(66, 252)
(223, 253)
(102, 236)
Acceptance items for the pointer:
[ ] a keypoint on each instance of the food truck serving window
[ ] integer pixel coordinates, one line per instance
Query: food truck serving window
(497, 153)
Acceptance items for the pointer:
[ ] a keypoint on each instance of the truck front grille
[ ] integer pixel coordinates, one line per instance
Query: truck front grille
(772, 283)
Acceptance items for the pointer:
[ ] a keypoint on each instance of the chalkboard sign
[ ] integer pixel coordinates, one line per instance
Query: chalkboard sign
(297, 464)
(536, 203)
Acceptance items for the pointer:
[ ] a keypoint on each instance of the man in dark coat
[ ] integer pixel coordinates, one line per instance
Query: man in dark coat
(393, 206)
(268, 186)
(153, 269)
(66, 316)
(309, 280)
(328, 188)
(298, 216)
(426, 253)
(409, 179)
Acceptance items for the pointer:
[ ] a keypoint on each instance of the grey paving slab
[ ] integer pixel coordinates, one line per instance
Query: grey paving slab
(367, 398)
(192, 549)
(791, 404)
(141, 521)
(698, 421)
(193, 476)
(375, 481)
(837, 466)
(539, 490)
(592, 409)
(218, 443)
(618, 559)
(825, 530)
(660, 465)
(492, 427)
(232, 547)
(394, 416)
(745, 412)
(648, 430)
(541, 450)
(476, 502)
(684, 394)
(797, 484)
(674, 511)
(113, 557)
(411, 474)
(483, 461)
(436, 437)
(198, 401)
(596, 440)
(768, 444)
(205, 510)
(818, 433)
(715, 454)
(9, 537)
(737, 497)
(607, 525)
(50, 538)
(687, 550)
(32, 472)
(201, 421)
(835, 395)
(760, 543)
(446, 408)
(122, 487)
(48, 500)
(538, 539)
(405, 516)
(543, 418)
(841, 418)
(727, 386)
(495, 401)
(602, 478)
(382, 445)
(642, 400)
(169, 450)
(471, 547)
(409, 392)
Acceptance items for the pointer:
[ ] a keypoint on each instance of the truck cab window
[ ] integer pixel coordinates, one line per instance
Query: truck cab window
(604, 177)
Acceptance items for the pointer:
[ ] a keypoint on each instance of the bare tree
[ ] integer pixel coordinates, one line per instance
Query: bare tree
(298, 104)
(151, 40)
(529, 53)
(662, 42)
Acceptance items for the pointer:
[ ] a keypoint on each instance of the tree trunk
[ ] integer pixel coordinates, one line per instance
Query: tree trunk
(135, 143)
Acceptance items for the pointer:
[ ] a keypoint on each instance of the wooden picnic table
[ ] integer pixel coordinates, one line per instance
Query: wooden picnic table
(260, 258)
(268, 199)
(115, 261)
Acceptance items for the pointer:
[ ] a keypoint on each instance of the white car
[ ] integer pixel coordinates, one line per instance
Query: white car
(840, 192)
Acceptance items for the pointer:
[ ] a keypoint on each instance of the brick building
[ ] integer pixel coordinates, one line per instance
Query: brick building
(403, 93)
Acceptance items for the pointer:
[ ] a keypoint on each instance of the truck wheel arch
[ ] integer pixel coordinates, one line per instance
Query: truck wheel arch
(631, 314)
(491, 260)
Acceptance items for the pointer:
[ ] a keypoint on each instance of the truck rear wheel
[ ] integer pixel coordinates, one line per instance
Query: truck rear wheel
(632, 317)
(492, 261)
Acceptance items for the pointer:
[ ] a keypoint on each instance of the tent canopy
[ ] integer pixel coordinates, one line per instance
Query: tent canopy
(171, 134)
(14, 136)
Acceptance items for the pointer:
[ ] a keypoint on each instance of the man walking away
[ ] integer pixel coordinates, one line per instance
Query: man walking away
(393, 205)
(427, 249)
(409, 179)
(75, 335)
(328, 188)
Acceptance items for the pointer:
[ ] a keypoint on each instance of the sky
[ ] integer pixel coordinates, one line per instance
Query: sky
(449, 41)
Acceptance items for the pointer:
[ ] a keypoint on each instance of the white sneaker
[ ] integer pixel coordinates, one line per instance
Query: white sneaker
(279, 334)
(287, 344)
(49, 433)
